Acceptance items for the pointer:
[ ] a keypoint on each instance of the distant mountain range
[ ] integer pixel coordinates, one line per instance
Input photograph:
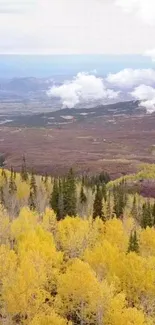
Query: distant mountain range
(68, 116)
(23, 86)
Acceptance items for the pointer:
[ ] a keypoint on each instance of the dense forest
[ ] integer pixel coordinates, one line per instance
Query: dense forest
(76, 249)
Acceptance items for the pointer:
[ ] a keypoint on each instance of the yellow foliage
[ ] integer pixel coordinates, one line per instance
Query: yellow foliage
(77, 289)
(49, 221)
(23, 291)
(23, 190)
(75, 269)
(147, 241)
(8, 262)
(4, 227)
(103, 258)
(118, 313)
(73, 236)
(115, 234)
(52, 319)
(137, 277)
(26, 221)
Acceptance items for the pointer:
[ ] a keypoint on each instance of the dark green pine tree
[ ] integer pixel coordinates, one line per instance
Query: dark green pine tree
(153, 214)
(149, 214)
(24, 173)
(11, 171)
(32, 201)
(146, 215)
(134, 211)
(119, 200)
(116, 203)
(83, 198)
(98, 205)
(12, 184)
(104, 191)
(33, 192)
(2, 201)
(60, 214)
(46, 179)
(54, 199)
(2, 161)
(109, 210)
(14, 175)
(69, 194)
(33, 185)
(4, 175)
(133, 243)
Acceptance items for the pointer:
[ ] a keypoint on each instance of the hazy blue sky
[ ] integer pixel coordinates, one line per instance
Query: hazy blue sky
(77, 26)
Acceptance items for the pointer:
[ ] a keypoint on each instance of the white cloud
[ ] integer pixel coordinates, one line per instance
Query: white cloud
(129, 78)
(144, 9)
(146, 95)
(84, 88)
(151, 54)
(149, 105)
(143, 92)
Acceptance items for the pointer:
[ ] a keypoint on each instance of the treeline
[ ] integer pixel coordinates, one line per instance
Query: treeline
(67, 195)
(71, 195)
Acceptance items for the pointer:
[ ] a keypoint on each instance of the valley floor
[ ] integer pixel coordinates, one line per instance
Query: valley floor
(115, 144)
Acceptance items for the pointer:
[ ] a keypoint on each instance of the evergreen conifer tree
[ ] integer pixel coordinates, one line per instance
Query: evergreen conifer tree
(134, 208)
(55, 197)
(11, 171)
(14, 174)
(119, 200)
(60, 213)
(69, 194)
(104, 191)
(46, 179)
(31, 202)
(4, 175)
(153, 214)
(83, 198)
(98, 205)
(146, 215)
(109, 206)
(24, 173)
(2, 201)
(33, 192)
(12, 184)
(149, 214)
(33, 185)
(133, 243)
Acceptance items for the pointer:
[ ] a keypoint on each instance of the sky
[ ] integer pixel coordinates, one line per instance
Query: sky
(77, 27)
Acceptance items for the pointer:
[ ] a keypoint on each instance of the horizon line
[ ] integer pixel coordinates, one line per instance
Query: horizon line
(69, 54)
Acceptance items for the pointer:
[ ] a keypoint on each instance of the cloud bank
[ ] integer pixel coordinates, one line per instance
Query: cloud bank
(146, 95)
(129, 78)
(150, 54)
(138, 83)
(87, 88)
(84, 88)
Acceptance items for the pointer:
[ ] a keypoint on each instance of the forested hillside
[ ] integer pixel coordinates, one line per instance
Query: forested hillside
(76, 249)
